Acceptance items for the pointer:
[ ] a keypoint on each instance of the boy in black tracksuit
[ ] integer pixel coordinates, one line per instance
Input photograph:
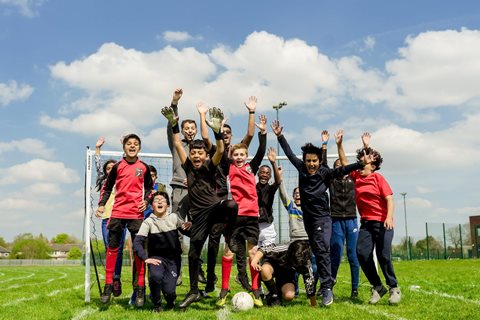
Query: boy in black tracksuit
(313, 183)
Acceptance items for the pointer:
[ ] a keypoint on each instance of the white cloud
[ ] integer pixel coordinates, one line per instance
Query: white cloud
(156, 138)
(33, 147)
(368, 43)
(418, 203)
(43, 188)
(178, 36)
(38, 170)
(27, 8)
(12, 91)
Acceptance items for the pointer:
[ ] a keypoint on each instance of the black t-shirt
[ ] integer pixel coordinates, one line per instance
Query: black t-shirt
(201, 185)
(221, 174)
(266, 195)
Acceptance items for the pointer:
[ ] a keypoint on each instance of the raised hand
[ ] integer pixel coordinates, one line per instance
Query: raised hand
(154, 261)
(100, 142)
(325, 136)
(216, 119)
(366, 139)
(368, 158)
(177, 94)
(277, 129)
(170, 115)
(202, 108)
(251, 104)
(262, 125)
(272, 155)
(339, 136)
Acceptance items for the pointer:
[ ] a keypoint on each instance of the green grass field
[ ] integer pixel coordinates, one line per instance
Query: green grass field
(430, 289)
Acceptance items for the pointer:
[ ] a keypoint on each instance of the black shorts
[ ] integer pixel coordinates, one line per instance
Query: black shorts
(281, 274)
(116, 229)
(244, 229)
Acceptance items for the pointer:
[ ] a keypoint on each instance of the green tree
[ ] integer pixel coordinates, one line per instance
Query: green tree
(3, 243)
(74, 254)
(25, 246)
(63, 238)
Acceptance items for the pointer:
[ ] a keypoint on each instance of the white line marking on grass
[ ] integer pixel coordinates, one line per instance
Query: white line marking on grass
(55, 292)
(15, 302)
(223, 314)
(18, 278)
(444, 295)
(84, 313)
(372, 310)
(63, 276)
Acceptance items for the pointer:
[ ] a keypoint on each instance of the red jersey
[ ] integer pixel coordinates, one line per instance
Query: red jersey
(370, 193)
(131, 181)
(243, 187)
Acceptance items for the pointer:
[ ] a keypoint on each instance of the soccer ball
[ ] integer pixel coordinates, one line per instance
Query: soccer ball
(242, 301)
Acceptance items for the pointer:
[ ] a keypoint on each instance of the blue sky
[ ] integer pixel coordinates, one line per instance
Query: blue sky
(71, 71)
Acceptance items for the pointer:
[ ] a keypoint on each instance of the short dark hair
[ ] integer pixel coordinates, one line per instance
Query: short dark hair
(265, 166)
(309, 148)
(228, 126)
(186, 121)
(299, 254)
(152, 168)
(159, 193)
(131, 136)
(296, 188)
(105, 165)
(197, 144)
(378, 158)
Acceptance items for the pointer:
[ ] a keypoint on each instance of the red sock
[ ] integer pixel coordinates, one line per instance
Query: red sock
(255, 274)
(226, 269)
(140, 269)
(110, 261)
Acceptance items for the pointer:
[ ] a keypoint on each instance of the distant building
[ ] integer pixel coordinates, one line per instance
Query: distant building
(475, 235)
(4, 253)
(60, 251)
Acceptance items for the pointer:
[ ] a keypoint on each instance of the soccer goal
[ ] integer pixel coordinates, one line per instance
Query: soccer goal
(163, 164)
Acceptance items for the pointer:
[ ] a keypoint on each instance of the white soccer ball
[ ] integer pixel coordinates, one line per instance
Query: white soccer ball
(242, 301)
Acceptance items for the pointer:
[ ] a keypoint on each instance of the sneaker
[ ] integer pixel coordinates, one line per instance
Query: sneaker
(327, 297)
(133, 297)
(170, 305)
(257, 300)
(320, 292)
(354, 294)
(140, 299)
(157, 309)
(222, 298)
(201, 276)
(395, 295)
(191, 297)
(377, 294)
(117, 288)
(107, 292)
(273, 300)
(179, 280)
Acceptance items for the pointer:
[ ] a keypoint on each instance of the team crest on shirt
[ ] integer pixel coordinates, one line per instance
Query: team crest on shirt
(249, 169)
(138, 172)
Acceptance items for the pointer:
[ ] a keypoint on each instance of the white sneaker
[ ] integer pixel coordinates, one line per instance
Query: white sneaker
(395, 295)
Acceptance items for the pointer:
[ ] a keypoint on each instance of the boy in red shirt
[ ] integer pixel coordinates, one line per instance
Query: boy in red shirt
(375, 205)
(132, 180)
(245, 229)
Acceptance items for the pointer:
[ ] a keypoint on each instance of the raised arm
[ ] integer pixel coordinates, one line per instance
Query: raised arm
(202, 110)
(251, 106)
(272, 157)
(277, 129)
(177, 94)
(262, 146)
(169, 113)
(366, 139)
(341, 152)
(216, 123)
(325, 138)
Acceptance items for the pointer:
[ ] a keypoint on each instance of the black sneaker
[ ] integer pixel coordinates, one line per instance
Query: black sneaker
(107, 293)
(170, 305)
(273, 300)
(354, 294)
(157, 309)
(117, 288)
(140, 299)
(191, 297)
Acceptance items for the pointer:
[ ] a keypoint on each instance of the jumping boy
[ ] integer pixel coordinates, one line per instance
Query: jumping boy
(375, 204)
(132, 180)
(205, 205)
(314, 180)
(164, 249)
(245, 228)
(222, 191)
